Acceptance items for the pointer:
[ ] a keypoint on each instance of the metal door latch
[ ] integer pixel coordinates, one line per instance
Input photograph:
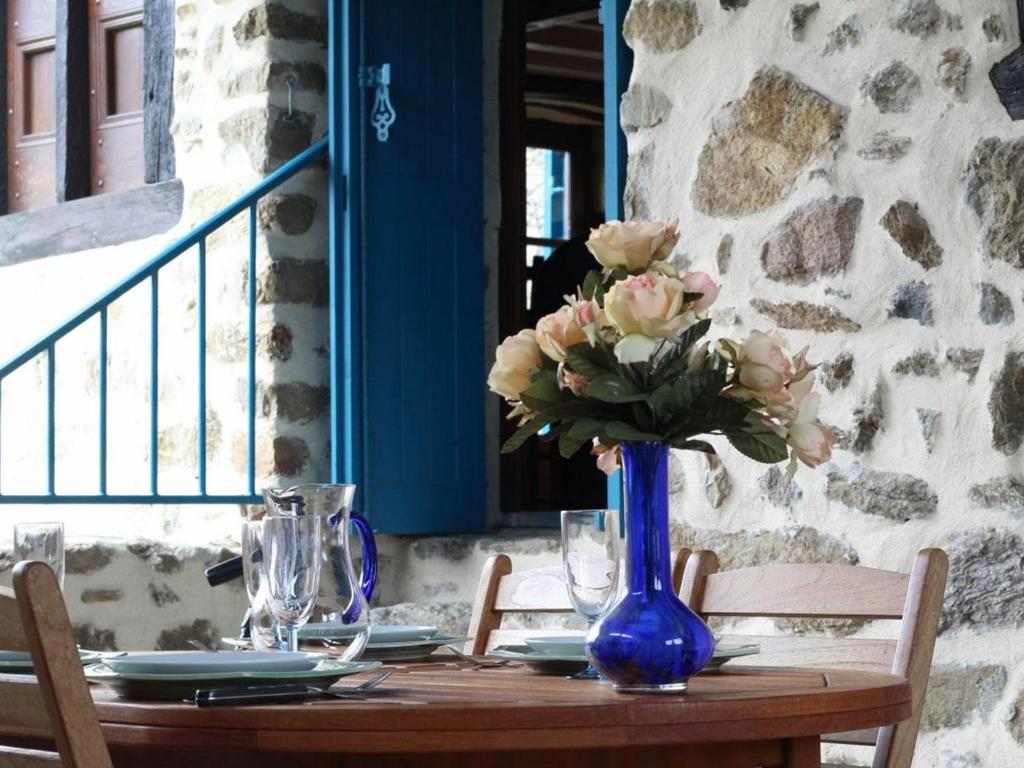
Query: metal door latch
(383, 114)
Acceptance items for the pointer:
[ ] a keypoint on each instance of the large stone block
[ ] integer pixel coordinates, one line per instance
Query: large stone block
(793, 544)
(957, 693)
(294, 281)
(452, 618)
(290, 213)
(1006, 404)
(868, 418)
(995, 307)
(269, 135)
(985, 588)
(847, 35)
(816, 240)
(912, 301)
(995, 177)
(277, 21)
(178, 638)
(952, 72)
(921, 363)
(893, 495)
(803, 316)
(884, 146)
(920, 18)
(295, 402)
(661, 26)
(798, 18)
(83, 560)
(966, 360)
(636, 197)
(1004, 493)
(837, 373)
(90, 638)
(761, 143)
(908, 228)
(643, 106)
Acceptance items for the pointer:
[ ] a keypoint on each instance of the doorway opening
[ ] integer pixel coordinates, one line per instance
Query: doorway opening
(552, 188)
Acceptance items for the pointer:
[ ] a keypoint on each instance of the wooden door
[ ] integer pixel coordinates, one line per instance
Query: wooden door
(116, 90)
(31, 104)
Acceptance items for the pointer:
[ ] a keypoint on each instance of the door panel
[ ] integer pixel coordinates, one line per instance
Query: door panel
(423, 271)
(116, 114)
(31, 101)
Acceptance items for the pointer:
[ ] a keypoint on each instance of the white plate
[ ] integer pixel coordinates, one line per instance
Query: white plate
(209, 662)
(18, 661)
(8, 656)
(558, 645)
(379, 633)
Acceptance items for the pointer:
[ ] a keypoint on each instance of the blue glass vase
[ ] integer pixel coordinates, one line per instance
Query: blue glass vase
(649, 642)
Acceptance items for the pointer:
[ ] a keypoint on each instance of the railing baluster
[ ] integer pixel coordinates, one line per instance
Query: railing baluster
(201, 327)
(154, 380)
(251, 454)
(103, 401)
(51, 421)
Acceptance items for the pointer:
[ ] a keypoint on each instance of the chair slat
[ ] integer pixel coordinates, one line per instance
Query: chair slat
(812, 590)
(833, 652)
(22, 704)
(538, 590)
(12, 757)
(12, 636)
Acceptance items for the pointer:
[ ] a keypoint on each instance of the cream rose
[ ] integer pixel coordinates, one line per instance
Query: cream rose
(515, 360)
(560, 330)
(701, 282)
(632, 245)
(810, 440)
(763, 364)
(650, 305)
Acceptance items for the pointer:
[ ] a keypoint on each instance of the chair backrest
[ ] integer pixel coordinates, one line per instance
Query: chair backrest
(56, 700)
(836, 592)
(537, 590)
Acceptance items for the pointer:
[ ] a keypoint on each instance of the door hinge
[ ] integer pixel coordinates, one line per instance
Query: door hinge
(382, 115)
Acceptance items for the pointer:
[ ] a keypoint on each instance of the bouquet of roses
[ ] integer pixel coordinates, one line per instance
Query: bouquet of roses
(625, 361)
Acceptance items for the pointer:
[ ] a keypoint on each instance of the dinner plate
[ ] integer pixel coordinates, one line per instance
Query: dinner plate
(137, 685)
(207, 662)
(558, 645)
(17, 662)
(409, 650)
(379, 633)
(570, 663)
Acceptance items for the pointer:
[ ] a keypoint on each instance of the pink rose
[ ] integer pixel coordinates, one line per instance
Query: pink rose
(701, 282)
(810, 440)
(607, 458)
(647, 304)
(559, 331)
(576, 382)
(763, 364)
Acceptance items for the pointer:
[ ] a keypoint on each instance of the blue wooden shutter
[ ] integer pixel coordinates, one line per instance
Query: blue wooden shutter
(423, 373)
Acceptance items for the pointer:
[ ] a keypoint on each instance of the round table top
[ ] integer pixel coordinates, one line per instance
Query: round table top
(445, 707)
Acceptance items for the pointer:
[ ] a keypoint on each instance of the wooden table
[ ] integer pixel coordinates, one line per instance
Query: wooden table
(441, 714)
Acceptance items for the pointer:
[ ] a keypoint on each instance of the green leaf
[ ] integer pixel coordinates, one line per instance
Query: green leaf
(693, 445)
(687, 388)
(544, 388)
(586, 429)
(689, 296)
(524, 433)
(693, 334)
(766, 447)
(568, 445)
(620, 430)
(593, 286)
(614, 389)
(663, 401)
(588, 360)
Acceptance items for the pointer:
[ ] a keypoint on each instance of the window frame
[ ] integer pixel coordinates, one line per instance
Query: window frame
(73, 135)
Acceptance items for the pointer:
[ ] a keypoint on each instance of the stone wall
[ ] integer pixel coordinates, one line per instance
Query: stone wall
(234, 62)
(848, 173)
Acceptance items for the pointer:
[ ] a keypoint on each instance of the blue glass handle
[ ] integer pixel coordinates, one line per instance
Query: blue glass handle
(368, 576)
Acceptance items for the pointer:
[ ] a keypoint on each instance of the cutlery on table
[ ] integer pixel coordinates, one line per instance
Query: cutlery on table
(281, 694)
(477, 664)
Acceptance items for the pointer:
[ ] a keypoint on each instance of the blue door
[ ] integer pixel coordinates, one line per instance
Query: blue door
(420, 247)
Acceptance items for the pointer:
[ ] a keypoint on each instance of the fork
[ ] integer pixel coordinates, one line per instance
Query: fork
(477, 664)
(349, 693)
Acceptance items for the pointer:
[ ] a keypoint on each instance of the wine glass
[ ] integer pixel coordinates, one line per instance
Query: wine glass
(590, 556)
(263, 631)
(41, 541)
(291, 559)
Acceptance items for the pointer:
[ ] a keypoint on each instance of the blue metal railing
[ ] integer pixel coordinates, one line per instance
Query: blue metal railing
(99, 308)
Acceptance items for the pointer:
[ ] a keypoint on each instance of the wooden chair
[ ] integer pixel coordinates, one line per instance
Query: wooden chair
(56, 700)
(538, 590)
(836, 592)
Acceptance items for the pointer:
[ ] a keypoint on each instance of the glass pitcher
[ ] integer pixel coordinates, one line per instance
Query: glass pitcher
(344, 599)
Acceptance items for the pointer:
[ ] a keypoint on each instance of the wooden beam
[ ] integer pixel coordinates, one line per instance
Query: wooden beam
(158, 86)
(73, 100)
(3, 108)
(91, 222)
(545, 13)
(544, 87)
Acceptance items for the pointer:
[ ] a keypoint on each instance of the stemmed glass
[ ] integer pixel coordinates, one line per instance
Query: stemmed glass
(590, 556)
(291, 559)
(263, 631)
(41, 541)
